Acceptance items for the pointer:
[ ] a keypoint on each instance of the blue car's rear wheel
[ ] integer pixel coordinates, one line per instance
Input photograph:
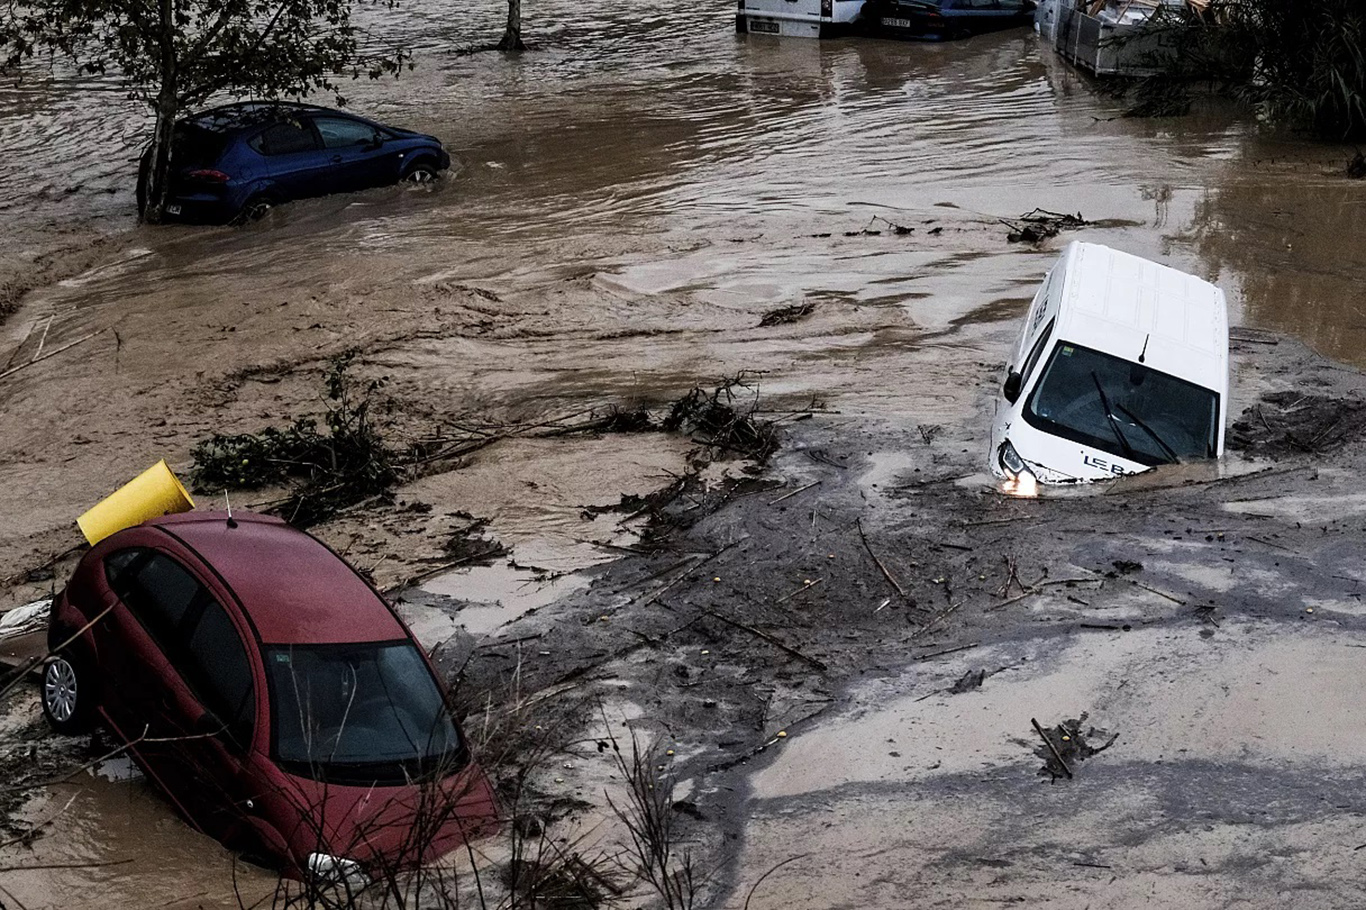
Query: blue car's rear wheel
(67, 694)
(256, 208)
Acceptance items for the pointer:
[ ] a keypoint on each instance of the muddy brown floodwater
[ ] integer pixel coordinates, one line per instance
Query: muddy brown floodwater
(628, 200)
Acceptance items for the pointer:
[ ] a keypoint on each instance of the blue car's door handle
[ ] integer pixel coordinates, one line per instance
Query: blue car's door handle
(336, 159)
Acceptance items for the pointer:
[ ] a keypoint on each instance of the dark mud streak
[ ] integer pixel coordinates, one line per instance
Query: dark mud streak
(939, 539)
(1255, 794)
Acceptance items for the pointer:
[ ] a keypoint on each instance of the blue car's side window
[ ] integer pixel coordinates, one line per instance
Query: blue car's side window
(284, 139)
(338, 132)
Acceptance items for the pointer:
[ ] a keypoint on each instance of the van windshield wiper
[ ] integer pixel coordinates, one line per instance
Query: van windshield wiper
(1142, 425)
(1110, 416)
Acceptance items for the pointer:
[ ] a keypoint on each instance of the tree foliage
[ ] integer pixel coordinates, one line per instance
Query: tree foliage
(1298, 63)
(178, 54)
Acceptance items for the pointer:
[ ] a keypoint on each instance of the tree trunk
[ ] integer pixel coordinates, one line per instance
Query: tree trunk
(512, 37)
(158, 161)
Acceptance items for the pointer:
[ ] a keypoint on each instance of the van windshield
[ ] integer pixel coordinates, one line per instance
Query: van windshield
(358, 712)
(1123, 408)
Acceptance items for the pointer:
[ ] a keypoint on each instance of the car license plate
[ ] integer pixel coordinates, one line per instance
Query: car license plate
(172, 210)
(764, 26)
(897, 23)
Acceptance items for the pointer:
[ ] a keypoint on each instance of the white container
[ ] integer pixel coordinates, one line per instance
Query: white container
(1046, 19)
(797, 18)
(1122, 365)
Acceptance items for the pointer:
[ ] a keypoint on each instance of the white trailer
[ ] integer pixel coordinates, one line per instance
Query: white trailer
(797, 18)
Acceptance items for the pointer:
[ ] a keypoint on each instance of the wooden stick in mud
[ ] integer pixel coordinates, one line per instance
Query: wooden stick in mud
(20, 347)
(52, 353)
(660, 592)
(807, 586)
(1173, 599)
(442, 567)
(1006, 603)
(657, 594)
(888, 575)
(937, 618)
(1051, 748)
(971, 644)
(37, 355)
(794, 492)
(819, 665)
(20, 672)
(772, 869)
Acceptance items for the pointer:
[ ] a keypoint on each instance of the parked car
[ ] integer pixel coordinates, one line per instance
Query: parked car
(1122, 366)
(943, 19)
(269, 691)
(238, 161)
(797, 18)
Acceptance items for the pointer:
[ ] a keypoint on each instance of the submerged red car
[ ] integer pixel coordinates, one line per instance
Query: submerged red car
(269, 690)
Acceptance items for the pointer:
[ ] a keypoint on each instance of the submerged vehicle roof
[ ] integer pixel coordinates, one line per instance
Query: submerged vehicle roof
(1133, 308)
(293, 588)
(246, 114)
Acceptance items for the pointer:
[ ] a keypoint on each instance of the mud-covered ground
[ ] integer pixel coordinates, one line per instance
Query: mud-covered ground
(881, 730)
(645, 204)
(838, 658)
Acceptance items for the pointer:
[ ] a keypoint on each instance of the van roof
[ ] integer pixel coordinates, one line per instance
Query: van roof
(1116, 302)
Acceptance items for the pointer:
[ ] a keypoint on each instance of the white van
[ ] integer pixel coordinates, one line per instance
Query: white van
(1122, 366)
(797, 18)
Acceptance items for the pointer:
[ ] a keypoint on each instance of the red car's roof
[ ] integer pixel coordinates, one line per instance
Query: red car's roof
(294, 589)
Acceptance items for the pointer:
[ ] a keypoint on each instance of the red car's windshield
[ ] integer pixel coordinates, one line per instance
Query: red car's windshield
(358, 712)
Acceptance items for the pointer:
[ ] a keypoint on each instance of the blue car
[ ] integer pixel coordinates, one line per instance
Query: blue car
(234, 163)
(937, 20)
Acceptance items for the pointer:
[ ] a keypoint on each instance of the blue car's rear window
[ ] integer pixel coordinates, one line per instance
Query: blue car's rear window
(196, 146)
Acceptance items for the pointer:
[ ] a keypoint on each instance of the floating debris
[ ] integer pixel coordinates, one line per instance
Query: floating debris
(1040, 224)
(972, 679)
(1066, 745)
(788, 314)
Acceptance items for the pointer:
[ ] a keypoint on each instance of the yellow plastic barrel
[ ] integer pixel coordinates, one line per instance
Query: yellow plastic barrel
(153, 493)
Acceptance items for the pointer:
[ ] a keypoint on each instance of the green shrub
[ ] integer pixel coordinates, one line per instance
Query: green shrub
(1298, 63)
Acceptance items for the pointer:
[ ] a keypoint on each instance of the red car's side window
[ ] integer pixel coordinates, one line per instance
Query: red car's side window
(193, 631)
(119, 567)
(160, 593)
(218, 670)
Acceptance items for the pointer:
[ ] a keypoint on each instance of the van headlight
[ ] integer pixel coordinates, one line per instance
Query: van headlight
(1011, 461)
(328, 870)
(1020, 481)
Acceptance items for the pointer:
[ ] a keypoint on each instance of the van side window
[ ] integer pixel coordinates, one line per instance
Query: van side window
(1039, 347)
(218, 671)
